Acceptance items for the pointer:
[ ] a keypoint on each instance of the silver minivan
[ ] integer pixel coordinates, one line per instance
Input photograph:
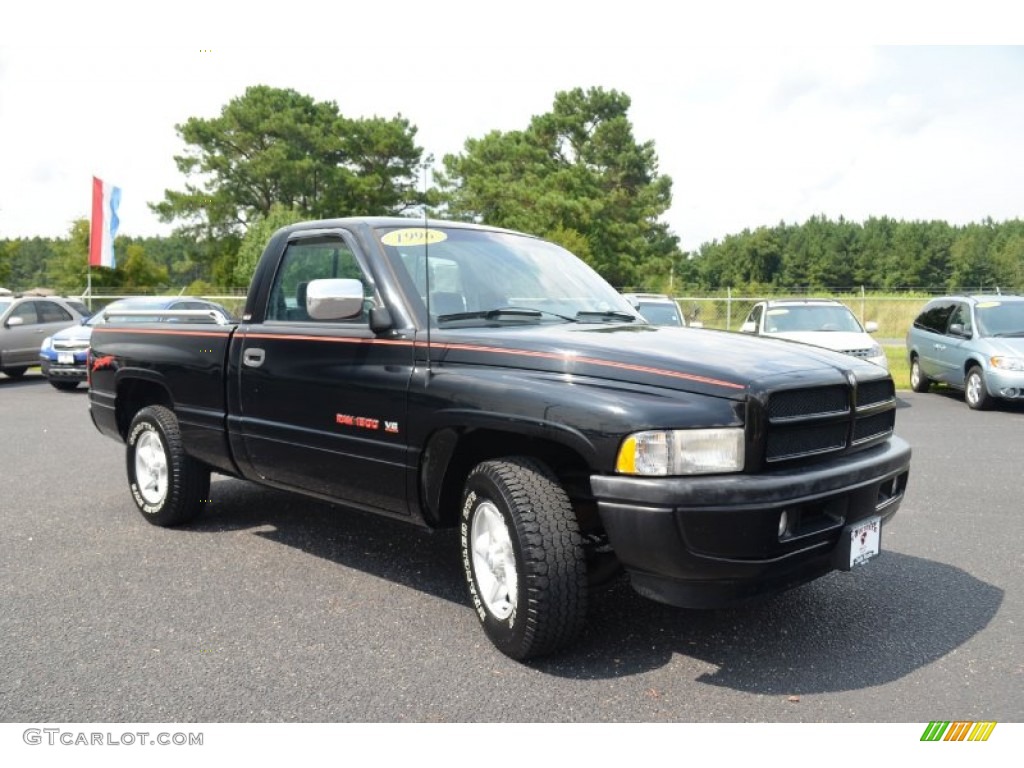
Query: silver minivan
(974, 343)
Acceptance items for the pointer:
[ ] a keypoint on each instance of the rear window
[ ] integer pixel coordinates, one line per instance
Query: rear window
(660, 314)
(80, 308)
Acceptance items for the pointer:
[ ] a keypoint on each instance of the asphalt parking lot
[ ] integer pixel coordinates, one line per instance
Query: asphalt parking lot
(275, 608)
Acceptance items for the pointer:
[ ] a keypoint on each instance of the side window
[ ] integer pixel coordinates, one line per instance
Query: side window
(935, 317)
(27, 312)
(51, 312)
(962, 315)
(755, 317)
(308, 260)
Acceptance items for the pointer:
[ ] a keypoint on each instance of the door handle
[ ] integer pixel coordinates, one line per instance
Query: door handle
(253, 357)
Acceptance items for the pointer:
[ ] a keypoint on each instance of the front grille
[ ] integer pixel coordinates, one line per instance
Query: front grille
(874, 392)
(70, 345)
(794, 442)
(857, 352)
(794, 403)
(874, 426)
(812, 422)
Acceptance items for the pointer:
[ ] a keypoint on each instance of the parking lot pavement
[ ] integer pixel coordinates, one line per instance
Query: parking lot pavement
(275, 608)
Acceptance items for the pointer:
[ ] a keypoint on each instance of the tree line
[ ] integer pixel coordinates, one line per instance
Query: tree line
(575, 175)
(878, 254)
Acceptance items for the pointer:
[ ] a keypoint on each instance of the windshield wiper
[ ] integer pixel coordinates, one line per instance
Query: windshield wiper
(606, 314)
(495, 314)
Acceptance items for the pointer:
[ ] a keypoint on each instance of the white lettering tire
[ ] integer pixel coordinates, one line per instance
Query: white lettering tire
(167, 485)
(523, 557)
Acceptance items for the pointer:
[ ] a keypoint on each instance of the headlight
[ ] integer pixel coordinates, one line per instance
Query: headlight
(682, 452)
(1007, 363)
(47, 342)
(875, 350)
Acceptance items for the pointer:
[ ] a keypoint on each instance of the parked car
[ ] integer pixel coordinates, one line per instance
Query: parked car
(820, 322)
(974, 343)
(656, 308)
(25, 320)
(63, 355)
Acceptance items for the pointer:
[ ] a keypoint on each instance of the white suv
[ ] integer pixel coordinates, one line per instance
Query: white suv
(821, 322)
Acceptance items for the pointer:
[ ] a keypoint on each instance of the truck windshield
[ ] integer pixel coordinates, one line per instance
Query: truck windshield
(480, 277)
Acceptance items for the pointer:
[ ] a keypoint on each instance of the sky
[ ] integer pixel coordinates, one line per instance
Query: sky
(759, 112)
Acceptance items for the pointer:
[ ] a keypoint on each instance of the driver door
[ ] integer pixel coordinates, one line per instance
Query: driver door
(323, 402)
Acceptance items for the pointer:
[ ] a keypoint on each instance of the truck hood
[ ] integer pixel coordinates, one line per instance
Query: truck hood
(718, 363)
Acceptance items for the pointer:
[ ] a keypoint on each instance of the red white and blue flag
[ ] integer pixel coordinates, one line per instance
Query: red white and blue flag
(105, 201)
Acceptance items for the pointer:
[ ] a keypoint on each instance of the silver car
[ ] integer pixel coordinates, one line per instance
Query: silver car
(974, 343)
(820, 322)
(25, 321)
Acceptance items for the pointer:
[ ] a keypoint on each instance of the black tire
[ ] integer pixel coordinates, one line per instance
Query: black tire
(544, 603)
(173, 485)
(975, 394)
(16, 373)
(64, 386)
(918, 381)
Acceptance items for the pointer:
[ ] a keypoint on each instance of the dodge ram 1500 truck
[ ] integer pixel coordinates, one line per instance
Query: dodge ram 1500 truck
(461, 376)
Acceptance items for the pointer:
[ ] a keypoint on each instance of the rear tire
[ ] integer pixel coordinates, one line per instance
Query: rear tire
(523, 557)
(16, 373)
(167, 485)
(918, 381)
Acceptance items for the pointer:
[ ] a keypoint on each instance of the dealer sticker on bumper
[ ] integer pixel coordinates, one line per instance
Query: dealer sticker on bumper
(865, 541)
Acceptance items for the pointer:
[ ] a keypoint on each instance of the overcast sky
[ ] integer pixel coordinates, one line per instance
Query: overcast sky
(753, 123)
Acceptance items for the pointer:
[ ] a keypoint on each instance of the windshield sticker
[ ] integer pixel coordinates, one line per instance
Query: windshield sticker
(414, 236)
(778, 311)
(987, 304)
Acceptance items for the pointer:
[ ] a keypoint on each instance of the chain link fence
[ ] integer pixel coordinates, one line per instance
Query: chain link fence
(893, 313)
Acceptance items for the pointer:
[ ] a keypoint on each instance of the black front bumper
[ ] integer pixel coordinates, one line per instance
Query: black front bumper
(706, 542)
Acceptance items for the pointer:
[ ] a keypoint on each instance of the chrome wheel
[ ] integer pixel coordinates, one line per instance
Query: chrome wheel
(918, 382)
(975, 394)
(151, 468)
(494, 561)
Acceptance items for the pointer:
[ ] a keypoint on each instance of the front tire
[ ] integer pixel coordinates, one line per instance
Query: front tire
(975, 393)
(523, 557)
(16, 373)
(167, 484)
(64, 386)
(918, 381)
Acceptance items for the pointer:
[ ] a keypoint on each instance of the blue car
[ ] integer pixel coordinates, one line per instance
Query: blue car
(63, 356)
(973, 343)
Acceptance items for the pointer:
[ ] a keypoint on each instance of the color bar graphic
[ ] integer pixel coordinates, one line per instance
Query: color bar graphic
(940, 730)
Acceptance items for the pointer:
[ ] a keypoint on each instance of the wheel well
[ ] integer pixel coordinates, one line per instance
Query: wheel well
(972, 363)
(135, 394)
(477, 445)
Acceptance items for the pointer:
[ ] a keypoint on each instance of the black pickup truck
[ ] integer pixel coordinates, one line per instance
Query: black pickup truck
(456, 375)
